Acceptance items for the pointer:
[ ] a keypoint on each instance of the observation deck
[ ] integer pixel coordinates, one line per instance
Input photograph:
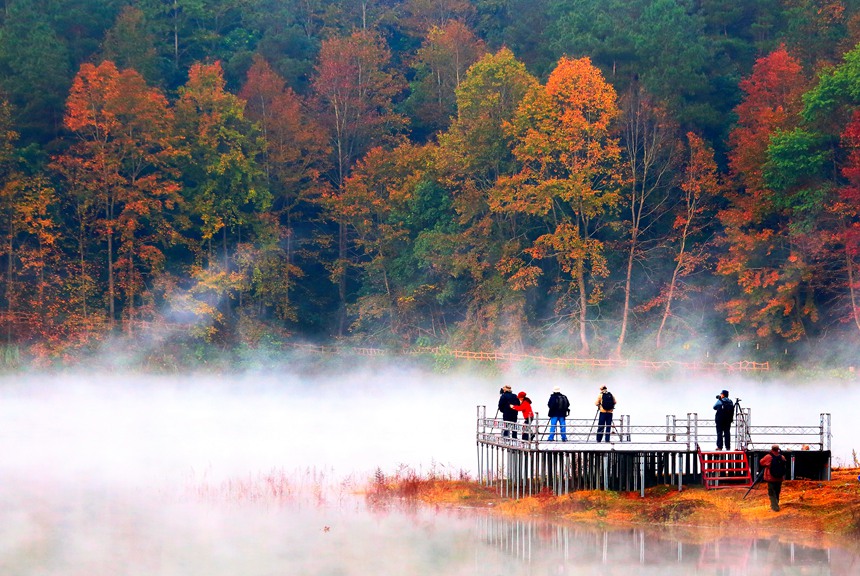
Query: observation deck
(518, 459)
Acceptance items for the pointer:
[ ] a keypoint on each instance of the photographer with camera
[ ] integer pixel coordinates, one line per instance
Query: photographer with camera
(725, 415)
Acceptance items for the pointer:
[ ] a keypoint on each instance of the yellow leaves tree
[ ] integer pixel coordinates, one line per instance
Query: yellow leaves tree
(473, 154)
(569, 177)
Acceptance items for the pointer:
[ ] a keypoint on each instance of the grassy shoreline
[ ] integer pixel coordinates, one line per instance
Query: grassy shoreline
(814, 509)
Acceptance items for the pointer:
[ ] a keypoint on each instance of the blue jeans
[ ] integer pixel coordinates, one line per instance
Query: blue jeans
(562, 424)
(604, 425)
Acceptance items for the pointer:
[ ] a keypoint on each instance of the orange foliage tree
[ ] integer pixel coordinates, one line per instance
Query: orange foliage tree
(356, 89)
(570, 178)
(847, 210)
(35, 269)
(121, 163)
(762, 258)
(373, 203)
(295, 154)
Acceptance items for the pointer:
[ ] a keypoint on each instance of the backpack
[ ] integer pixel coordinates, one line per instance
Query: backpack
(608, 401)
(563, 404)
(727, 410)
(777, 466)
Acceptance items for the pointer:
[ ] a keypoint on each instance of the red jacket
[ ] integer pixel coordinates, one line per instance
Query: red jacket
(526, 408)
(765, 462)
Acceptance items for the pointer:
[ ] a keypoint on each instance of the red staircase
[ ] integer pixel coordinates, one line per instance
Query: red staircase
(725, 469)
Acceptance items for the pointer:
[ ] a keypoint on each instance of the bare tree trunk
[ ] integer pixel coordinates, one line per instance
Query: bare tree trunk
(671, 294)
(341, 284)
(692, 205)
(228, 308)
(583, 302)
(855, 308)
(81, 238)
(130, 303)
(627, 287)
(10, 286)
(176, 33)
(111, 288)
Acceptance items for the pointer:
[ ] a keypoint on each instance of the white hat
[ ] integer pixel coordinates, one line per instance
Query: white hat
(556, 389)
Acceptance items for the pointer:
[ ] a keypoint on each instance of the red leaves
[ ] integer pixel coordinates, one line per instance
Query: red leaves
(772, 102)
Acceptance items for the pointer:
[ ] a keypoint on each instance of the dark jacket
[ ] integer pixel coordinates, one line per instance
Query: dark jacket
(765, 463)
(725, 411)
(554, 410)
(505, 402)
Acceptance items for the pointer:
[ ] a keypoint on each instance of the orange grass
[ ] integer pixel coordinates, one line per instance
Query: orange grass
(806, 505)
(433, 487)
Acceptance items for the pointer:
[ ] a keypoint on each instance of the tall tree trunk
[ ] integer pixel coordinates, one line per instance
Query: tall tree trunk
(130, 303)
(10, 270)
(227, 305)
(81, 239)
(111, 288)
(682, 251)
(176, 34)
(341, 284)
(855, 308)
(628, 284)
(583, 302)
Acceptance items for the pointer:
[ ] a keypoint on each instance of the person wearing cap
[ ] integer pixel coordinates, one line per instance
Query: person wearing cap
(526, 408)
(774, 482)
(605, 405)
(506, 401)
(723, 418)
(559, 408)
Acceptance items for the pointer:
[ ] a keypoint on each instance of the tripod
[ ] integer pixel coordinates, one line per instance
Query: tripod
(741, 426)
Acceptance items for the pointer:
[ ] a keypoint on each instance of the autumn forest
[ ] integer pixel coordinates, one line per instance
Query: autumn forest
(596, 178)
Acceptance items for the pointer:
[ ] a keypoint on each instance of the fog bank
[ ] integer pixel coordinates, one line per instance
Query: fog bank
(143, 429)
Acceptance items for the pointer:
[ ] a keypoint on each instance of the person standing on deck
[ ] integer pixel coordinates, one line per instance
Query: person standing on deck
(526, 408)
(559, 408)
(774, 474)
(605, 405)
(506, 400)
(725, 414)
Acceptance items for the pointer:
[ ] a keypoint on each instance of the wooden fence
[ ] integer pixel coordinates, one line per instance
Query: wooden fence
(550, 361)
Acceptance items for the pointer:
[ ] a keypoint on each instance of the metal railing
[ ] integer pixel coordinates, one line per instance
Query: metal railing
(677, 433)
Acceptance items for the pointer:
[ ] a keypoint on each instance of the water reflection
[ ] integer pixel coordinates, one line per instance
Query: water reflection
(556, 549)
(48, 529)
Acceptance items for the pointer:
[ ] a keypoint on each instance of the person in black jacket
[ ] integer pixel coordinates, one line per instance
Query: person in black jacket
(558, 411)
(725, 414)
(506, 400)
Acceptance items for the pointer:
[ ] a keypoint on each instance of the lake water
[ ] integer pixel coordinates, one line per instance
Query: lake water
(101, 531)
(112, 474)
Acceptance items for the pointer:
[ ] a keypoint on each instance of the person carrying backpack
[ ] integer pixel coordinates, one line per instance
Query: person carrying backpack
(559, 408)
(605, 405)
(506, 402)
(774, 473)
(725, 414)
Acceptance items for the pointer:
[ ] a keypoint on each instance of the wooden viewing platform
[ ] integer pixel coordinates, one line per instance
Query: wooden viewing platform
(519, 460)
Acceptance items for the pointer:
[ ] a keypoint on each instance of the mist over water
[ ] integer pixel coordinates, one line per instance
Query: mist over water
(153, 428)
(108, 473)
